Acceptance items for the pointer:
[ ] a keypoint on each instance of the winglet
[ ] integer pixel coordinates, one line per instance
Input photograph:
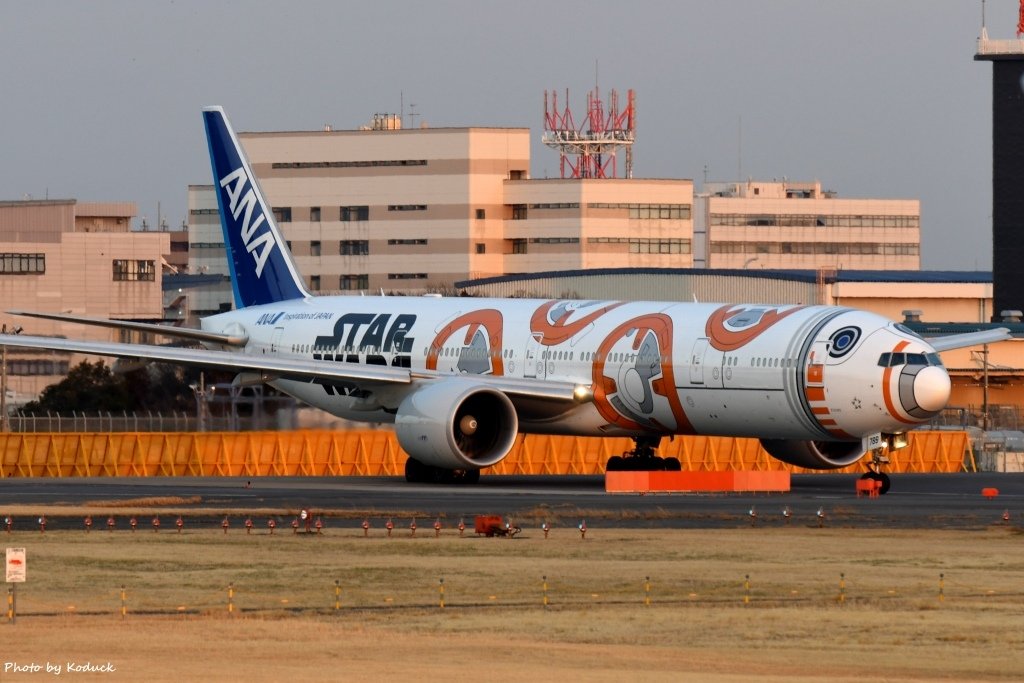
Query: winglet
(262, 270)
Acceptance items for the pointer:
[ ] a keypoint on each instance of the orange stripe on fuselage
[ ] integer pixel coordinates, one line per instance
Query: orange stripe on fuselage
(814, 393)
(886, 376)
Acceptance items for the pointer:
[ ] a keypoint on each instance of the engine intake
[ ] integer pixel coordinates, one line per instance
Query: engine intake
(456, 424)
(815, 455)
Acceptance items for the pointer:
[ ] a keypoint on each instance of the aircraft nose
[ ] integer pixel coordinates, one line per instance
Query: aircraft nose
(931, 388)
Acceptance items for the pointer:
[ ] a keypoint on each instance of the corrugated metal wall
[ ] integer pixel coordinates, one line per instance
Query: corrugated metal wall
(376, 453)
(708, 288)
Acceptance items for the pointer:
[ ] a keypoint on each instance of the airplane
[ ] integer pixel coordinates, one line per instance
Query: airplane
(461, 377)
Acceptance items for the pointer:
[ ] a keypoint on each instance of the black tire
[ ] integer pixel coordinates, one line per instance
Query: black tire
(414, 471)
(673, 465)
(468, 477)
(616, 463)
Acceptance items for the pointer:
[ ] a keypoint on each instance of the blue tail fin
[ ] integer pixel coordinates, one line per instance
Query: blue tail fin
(262, 270)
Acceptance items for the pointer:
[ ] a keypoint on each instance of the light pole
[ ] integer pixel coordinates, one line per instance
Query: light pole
(202, 400)
(3, 378)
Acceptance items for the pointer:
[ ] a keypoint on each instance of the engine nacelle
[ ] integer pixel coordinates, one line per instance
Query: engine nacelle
(456, 424)
(815, 455)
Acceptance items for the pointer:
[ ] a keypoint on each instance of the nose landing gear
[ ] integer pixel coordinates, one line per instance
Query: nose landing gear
(643, 458)
(875, 472)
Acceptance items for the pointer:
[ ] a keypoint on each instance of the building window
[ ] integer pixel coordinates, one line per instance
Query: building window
(283, 214)
(314, 214)
(355, 213)
(132, 270)
(407, 207)
(556, 205)
(415, 242)
(519, 212)
(518, 246)
(481, 214)
(646, 246)
(481, 248)
(643, 211)
(814, 220)
(314, 248)
(516, 174)
(354, 247)
(407, 276)
(314, 283)
(26, 368)
(348, 164)
(350, 282)
(22, 264)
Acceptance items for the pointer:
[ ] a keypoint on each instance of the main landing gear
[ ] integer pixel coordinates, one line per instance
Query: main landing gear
(875, 472)
(418, 472)
(642, 458)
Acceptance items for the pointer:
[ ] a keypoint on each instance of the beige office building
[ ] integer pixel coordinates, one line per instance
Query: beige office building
(800, 226)
(72, 257)
(417, 210)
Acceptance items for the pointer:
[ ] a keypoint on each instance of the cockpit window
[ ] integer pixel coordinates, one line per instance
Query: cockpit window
(891, 360)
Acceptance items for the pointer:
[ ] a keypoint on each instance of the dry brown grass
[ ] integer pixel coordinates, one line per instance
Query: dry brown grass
(891, 625)
(147, 502)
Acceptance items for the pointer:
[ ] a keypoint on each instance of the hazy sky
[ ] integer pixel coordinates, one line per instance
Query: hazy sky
(101, 101)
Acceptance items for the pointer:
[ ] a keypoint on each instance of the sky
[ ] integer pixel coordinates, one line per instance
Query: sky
(100, 101)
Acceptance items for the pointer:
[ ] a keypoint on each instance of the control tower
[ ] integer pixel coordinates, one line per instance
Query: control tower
(1007, 57)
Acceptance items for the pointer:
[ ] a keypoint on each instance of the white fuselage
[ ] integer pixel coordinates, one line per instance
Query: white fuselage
(655, 368)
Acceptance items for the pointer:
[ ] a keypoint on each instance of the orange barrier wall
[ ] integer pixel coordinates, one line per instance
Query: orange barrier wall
(345, 453)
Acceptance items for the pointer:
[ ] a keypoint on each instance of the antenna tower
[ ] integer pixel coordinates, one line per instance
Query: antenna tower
(589, 151)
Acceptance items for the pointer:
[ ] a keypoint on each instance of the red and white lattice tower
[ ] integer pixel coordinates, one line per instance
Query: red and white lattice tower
(589, 151)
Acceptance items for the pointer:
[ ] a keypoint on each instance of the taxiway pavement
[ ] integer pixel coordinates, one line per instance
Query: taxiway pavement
(915, 501)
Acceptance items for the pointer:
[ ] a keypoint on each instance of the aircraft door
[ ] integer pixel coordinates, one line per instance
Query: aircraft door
(700, 347)
(815, 371)
(275, 340)
(534, 364)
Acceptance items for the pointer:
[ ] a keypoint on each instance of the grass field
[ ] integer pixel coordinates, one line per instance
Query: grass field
(702, 623)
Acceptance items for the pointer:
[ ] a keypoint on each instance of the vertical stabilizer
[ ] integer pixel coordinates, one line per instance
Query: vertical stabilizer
(262, 270)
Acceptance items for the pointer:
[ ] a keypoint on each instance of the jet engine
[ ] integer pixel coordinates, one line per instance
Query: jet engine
(815, 455)
(456, 424)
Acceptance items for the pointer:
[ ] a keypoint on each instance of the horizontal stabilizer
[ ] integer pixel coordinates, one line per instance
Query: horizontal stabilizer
(165, 330)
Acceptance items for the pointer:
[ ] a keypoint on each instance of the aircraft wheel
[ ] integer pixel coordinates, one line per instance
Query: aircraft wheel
(468, 477)
(673, 465)
(415, 471)
(615, 464)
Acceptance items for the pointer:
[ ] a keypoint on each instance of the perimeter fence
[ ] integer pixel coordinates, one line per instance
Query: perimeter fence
(323, 596)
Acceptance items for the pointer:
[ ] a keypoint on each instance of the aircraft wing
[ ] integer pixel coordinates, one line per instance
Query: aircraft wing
(165, 330)
(959, 341)
(270, 367)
